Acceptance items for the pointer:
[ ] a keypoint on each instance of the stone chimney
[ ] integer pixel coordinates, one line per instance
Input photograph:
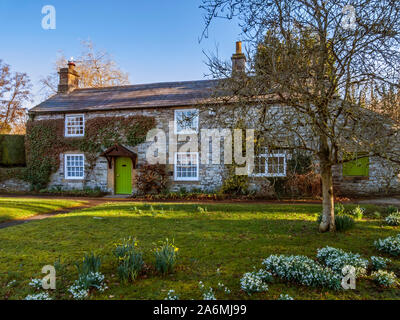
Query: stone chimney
(69, 79)
(238, 60)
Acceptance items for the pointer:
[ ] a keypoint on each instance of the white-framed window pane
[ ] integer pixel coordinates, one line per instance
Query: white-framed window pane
(74, 166)
(186, 121)
(269, 164)
(75, 125)
(186, 166)
(259, 165)
(276, 165)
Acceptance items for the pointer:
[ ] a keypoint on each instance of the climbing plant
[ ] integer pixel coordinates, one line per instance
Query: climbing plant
(45, 142)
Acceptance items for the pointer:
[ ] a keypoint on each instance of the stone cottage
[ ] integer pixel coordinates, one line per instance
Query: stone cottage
(114, 169)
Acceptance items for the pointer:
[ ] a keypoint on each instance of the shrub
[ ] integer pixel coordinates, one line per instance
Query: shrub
(306, 184)
(91, 264)
(152, 178)
(391, 209)
(339, 209)
(130, 261)
(303, 270)
(92, 280)
(255, 281)
(378, 263)
(89, 277)
(337, 259)
(235, 185)
(342, 222)
(390, 245)
(384, 278)
(166, 256)
(128, 245)
(393, 219)
(358, 212)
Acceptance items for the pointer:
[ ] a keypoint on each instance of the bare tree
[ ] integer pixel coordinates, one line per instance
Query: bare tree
(308, 60)
(14, 91)
(96, 69)
(385, 101)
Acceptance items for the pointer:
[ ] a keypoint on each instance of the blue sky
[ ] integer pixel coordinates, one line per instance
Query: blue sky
(152, 40)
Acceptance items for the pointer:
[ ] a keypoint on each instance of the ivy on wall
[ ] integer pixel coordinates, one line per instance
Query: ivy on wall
(45, 142)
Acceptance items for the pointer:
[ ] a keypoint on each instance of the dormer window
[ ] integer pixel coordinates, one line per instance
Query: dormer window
(75, 125)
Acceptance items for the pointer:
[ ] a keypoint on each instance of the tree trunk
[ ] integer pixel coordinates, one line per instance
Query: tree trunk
(328, 203)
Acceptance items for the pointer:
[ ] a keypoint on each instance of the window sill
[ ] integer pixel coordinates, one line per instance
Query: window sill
(355, 178)
(267, 176)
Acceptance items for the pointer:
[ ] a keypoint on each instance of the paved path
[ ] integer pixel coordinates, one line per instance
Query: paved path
(382, 201)
(12, 223)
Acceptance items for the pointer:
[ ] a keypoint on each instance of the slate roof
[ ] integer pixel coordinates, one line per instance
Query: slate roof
(154, 95)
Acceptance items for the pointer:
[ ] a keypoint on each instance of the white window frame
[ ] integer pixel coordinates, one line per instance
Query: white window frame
(176, 178)
(66, 127)
(66, 169)
(272, 155)
(187, 131)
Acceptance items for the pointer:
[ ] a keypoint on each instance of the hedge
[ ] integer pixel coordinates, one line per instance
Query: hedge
(12, 150)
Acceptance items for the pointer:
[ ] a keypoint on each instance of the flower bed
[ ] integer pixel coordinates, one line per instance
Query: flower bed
(390, 245)
(337, 259)
(303, 270)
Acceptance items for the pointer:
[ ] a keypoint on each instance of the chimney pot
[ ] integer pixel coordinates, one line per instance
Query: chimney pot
(238, 47)
(238, 60)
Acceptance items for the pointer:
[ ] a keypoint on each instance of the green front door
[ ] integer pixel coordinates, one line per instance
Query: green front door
(123, 175)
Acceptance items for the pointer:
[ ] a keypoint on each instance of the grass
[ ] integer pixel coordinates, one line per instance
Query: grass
(15, 208)
(233, 238)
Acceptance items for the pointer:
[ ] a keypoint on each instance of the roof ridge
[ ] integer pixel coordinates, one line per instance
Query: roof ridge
(145, 84)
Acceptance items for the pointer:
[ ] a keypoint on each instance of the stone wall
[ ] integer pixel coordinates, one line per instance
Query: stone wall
(384, 179)
(15, 185)
(210, 176)
(96, 178)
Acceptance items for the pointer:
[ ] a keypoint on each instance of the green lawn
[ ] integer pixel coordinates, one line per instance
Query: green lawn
(232, 238)
(16, 208)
